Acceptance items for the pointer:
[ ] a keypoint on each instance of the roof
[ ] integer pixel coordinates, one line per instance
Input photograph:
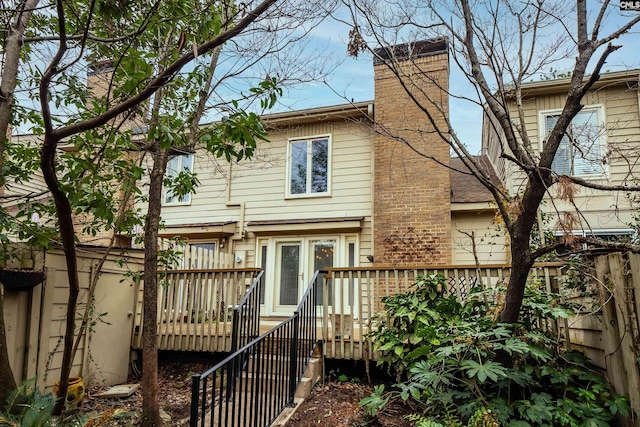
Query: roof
(353, 110)
(465, 188)
(541, 87)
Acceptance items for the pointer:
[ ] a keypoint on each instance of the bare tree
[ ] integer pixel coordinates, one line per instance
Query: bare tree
(500, 46)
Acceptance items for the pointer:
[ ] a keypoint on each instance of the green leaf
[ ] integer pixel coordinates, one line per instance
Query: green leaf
(482, 371)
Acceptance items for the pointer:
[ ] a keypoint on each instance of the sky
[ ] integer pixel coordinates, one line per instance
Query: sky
(353, 78)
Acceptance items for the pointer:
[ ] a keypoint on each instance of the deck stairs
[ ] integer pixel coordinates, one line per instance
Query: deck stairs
(255, 385)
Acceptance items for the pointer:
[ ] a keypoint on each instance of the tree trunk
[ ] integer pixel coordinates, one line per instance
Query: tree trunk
(7, 382)
(150, 404)
(67, 236)
(521, 263)
(13, 48)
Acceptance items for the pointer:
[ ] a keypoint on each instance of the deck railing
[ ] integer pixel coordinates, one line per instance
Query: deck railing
(253, 385)
(352, 296)
(195, 308)
(246, 315)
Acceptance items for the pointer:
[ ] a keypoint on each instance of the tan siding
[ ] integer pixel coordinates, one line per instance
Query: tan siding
(601, 209)
(32, 187)
(261, 183)
(490, 242)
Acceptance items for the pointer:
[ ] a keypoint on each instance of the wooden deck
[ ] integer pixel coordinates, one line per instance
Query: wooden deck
(195, 308)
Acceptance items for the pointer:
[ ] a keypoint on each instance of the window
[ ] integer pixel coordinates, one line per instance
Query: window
(615, 236)
(582, 148)
(176, 166)
(308, 167)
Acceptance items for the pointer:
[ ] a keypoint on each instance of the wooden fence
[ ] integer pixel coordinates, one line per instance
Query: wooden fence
(352, 296)
(35, 319)
(195, 307)
(607, 326)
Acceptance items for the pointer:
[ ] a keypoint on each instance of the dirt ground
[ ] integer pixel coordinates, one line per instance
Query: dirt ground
(334, 403)
(174, 393)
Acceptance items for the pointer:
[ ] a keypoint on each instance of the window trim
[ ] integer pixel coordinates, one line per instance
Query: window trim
(287, 183)
(602, 138)
(599, 232)
(165, 190)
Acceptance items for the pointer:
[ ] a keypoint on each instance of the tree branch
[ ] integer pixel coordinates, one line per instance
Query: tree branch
(590, 184)
(165, 76)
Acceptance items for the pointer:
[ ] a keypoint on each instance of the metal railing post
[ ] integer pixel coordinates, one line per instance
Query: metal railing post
(195, 397)
(235, 330)
(293, 362)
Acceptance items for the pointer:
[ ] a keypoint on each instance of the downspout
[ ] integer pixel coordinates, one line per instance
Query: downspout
(228, 203)
(370, 113)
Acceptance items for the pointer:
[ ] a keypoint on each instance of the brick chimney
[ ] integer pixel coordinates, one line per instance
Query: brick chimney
(99, 77)
(411, 206)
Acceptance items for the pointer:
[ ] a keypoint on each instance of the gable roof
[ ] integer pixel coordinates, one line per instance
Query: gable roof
(465, 188)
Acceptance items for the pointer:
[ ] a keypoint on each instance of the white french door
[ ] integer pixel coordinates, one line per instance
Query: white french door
(290, 262)
(295, 263)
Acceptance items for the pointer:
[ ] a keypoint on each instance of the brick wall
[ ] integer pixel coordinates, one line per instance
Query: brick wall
(411, 208)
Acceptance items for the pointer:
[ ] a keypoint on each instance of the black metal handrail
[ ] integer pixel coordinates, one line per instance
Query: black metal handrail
(305, 333)
(252, 386)
(245, 324)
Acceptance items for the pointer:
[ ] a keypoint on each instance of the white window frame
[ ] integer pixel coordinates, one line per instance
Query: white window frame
(600, 232)
(599, 109)
(309, 140)
(186, 200)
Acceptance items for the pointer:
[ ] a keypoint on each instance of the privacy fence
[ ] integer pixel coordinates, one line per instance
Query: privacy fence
(607, 326)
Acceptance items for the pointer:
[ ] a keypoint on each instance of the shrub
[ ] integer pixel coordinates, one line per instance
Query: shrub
(466, 368)
(26, 406)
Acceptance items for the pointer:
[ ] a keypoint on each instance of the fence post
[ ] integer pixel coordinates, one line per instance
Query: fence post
(293, 362)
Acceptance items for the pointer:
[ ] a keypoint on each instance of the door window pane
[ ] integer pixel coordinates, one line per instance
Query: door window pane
(263, 265)
(289, 273)
(322, 259)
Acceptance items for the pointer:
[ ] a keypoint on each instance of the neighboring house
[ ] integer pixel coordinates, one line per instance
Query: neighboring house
(329, 191)
(601, 147)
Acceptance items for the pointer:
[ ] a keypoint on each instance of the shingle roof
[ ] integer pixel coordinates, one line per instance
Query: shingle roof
(465, 188)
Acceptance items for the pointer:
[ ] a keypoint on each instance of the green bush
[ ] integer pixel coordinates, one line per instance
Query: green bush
(467, 369)
(26, 406)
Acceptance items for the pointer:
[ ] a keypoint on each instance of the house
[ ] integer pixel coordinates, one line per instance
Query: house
(330, 189)
(601, 149)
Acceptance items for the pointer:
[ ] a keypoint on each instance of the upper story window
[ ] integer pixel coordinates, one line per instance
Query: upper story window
(175, 166)
(308, 167)
(583, 146)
